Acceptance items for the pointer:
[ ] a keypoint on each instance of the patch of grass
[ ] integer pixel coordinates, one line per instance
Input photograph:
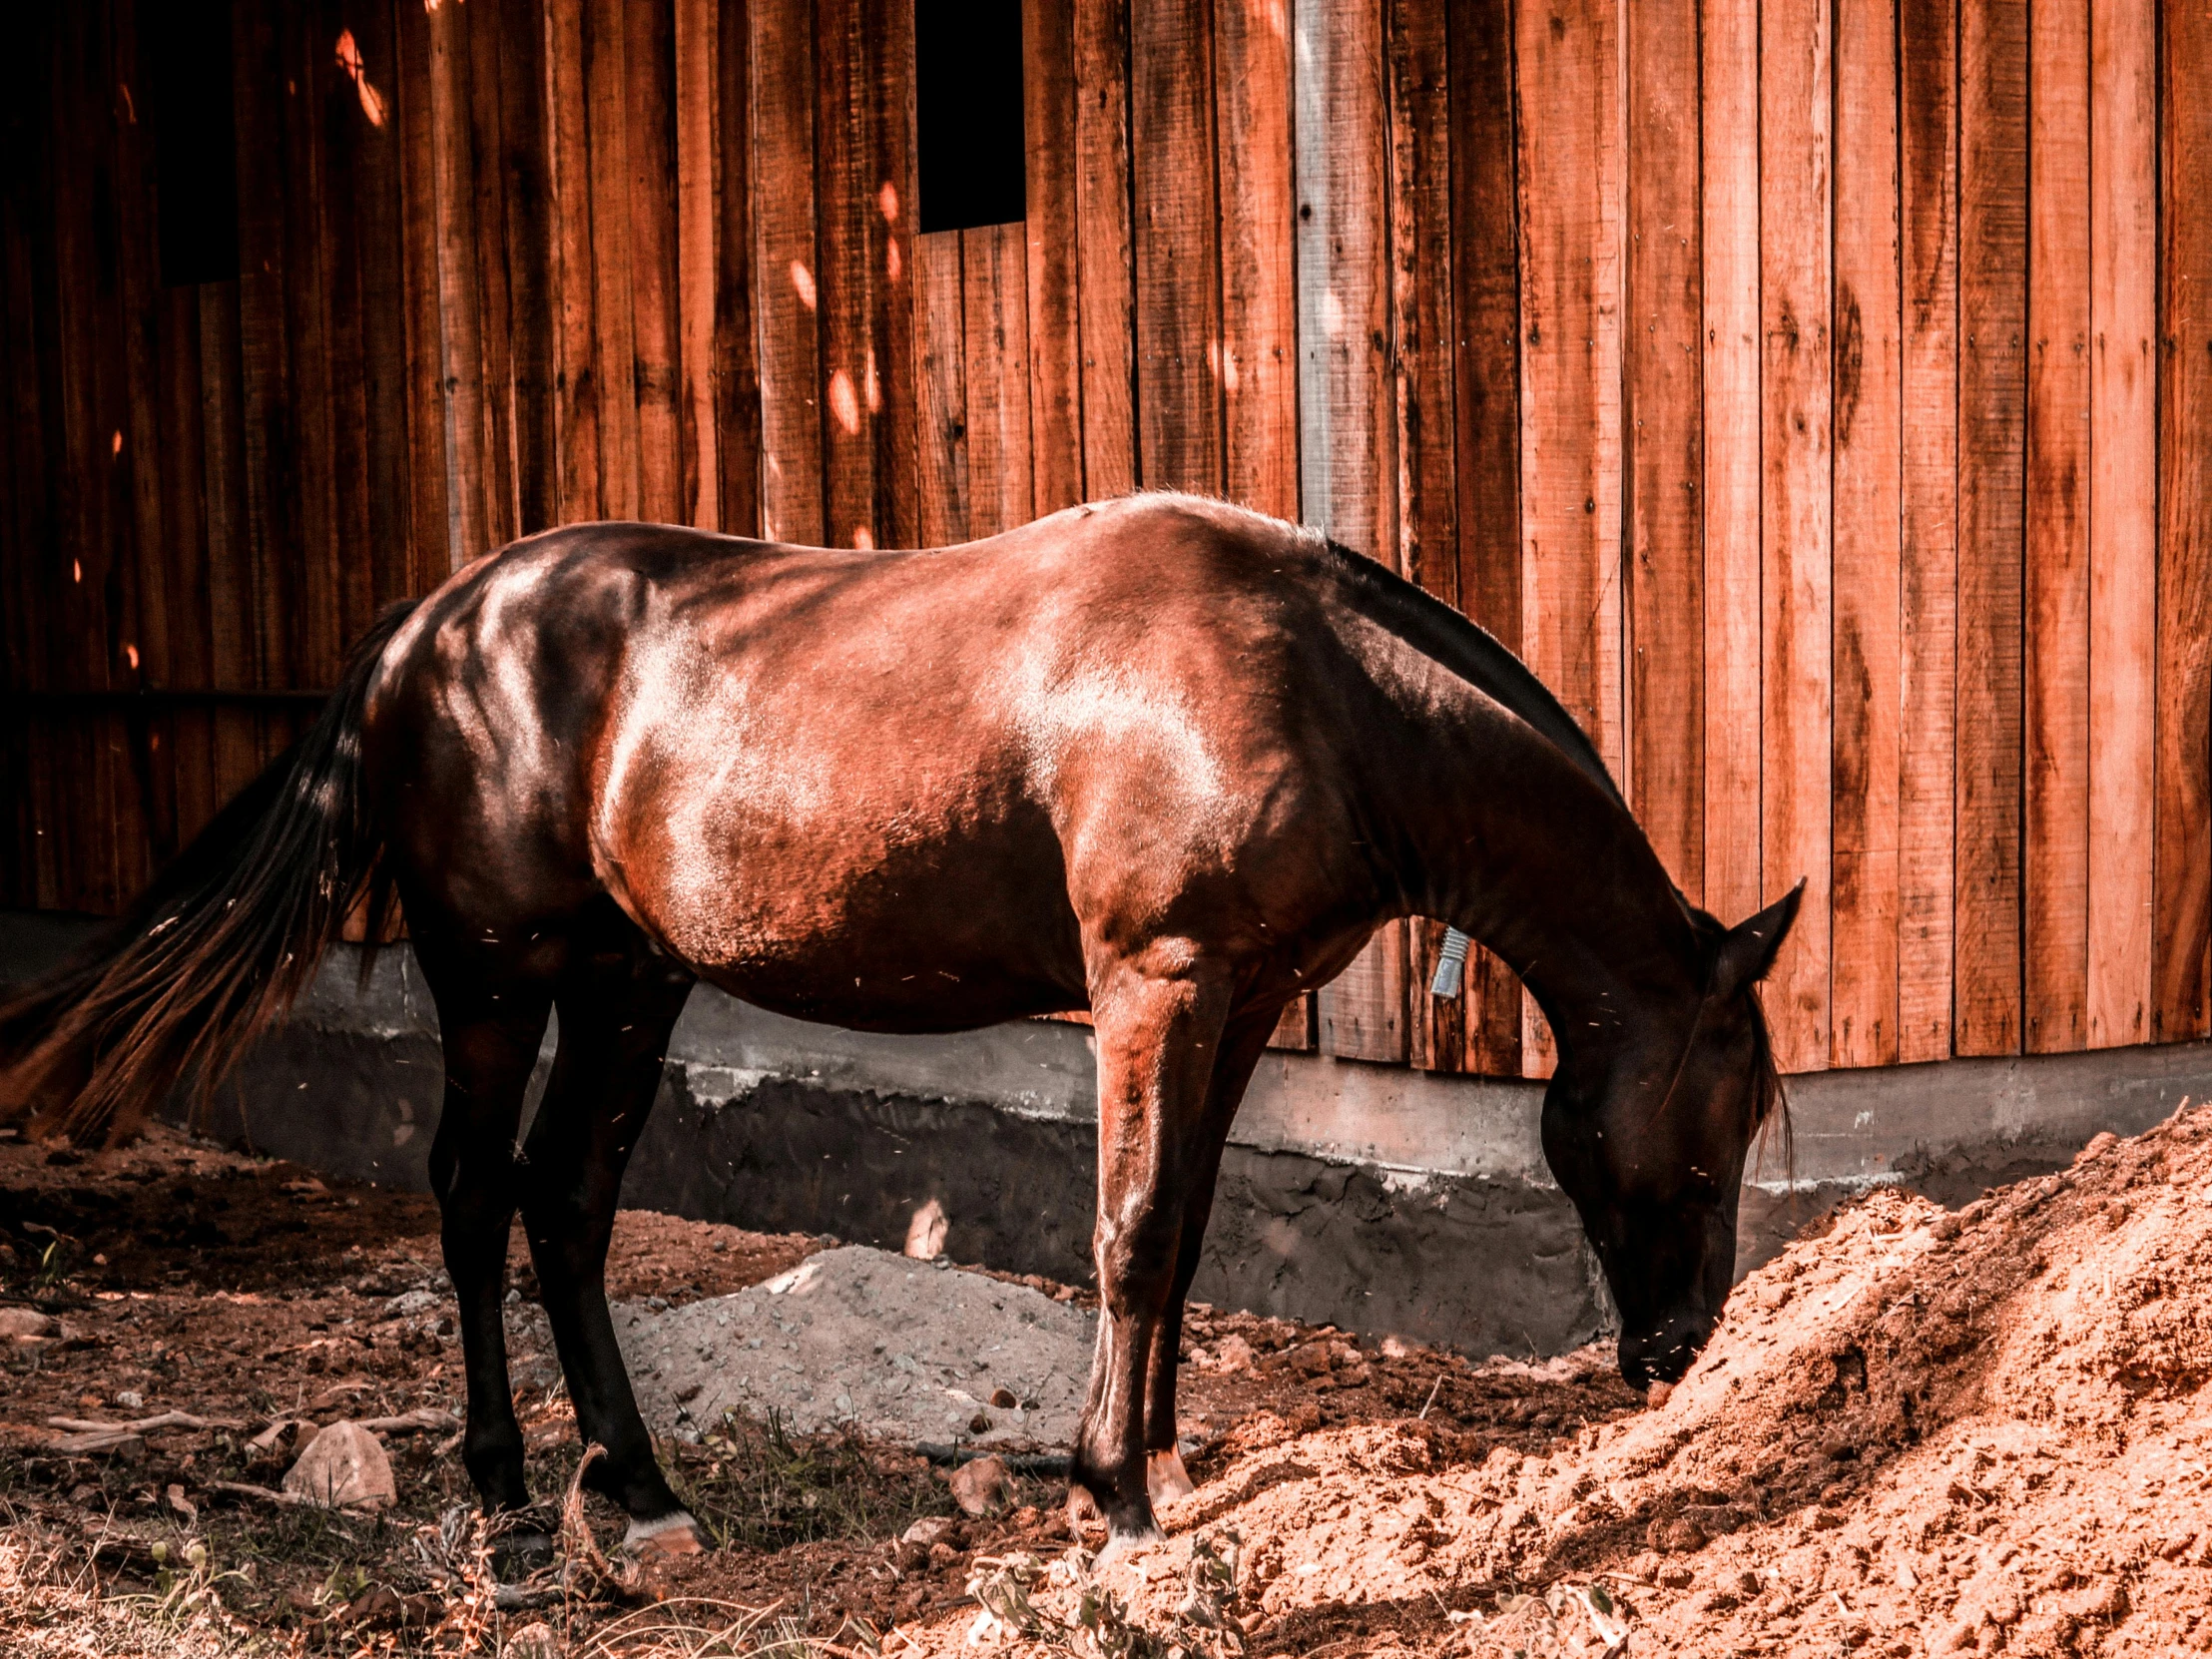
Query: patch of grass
(757, 1487)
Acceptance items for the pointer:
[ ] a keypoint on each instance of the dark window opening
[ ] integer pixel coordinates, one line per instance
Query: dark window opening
(184, 62)
(968, 112)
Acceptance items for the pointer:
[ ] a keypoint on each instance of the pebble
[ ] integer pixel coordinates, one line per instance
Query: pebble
(343, 1467)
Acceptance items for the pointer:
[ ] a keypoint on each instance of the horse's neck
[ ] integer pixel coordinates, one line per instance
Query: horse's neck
(1510, 841)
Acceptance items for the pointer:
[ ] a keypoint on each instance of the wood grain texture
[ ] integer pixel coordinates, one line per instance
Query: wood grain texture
(574, 331)
(1729, 252)
(1992, 406)
(526, 158)
(1796, 594)
(1566, 60)
(1257, 218)
(1106, 294)
(1417, 67)
(852, 375)
(614, 345)
(2054, 868)
(1869, 555)
(1928, 620)
(788, 295)
(1485, 384)
(1050, 94)
(737, 374)
(698, 76)
(1662, 418)
(995, 376)
(941, 388)
(2123, 516)
(484, 112)
(460, 360)
(2182, 890)
(1176, 249)
(649, 70)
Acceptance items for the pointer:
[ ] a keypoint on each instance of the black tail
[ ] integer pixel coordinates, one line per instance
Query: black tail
(217, 948)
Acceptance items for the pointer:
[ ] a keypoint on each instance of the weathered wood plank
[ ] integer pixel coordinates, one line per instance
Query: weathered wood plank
(1927, 71)
(1050, 96)
(649, 70)
(1258, 296)
(2123, 515)
(940, 381)
(736, 385)
(527, 153)
(698, 77)
(1795, 601)
(606, 93)
(1662, 417)
(575, 329)
(484, 112)
(1869, 554)
(1992, 408)
(2054, 868)
(2183, 892)
(1106, 280)
(995, 378)
(1729, 251)
(432, 544)
(1485, 384)
(783, 195)
(459, 297)
(1177, 247)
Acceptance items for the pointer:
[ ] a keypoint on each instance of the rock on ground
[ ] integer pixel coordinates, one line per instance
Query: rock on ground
(902, 1349)
(343, 1467)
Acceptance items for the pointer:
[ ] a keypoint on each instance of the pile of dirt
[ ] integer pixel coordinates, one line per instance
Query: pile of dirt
(913, 1352)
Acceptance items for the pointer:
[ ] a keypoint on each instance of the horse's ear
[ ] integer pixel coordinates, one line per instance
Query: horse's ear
(1748, 949)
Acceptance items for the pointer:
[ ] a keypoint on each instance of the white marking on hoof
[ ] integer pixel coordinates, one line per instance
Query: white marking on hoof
(673, 1533)
(1166, 1477)
(1122, 1545)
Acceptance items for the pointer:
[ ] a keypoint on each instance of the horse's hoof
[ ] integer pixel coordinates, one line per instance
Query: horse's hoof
(519, 1551)
(672, 1534)
(1121, 1545)
(1166, 1477)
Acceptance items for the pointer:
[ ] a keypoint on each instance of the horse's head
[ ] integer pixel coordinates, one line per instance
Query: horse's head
(1651, 1145)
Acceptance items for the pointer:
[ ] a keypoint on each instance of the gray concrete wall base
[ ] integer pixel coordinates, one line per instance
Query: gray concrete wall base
(1374, 1197)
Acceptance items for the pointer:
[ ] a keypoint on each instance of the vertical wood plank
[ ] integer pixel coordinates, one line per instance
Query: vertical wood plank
(783, 195)
(995, 378)
(2055, 870)
(1258, 217)
(1418, 92)
(940, 381)
(2123, 515)
(232, 634)
(1662, 395)
(1485, 382)
(431, 541)
(349, 202)
(1992, 404)
(460, 317)
(1050, 96)
(1869, 555)
(1734, 655)
(1927, 600)
(698, 73)
(1796, 573)
(576, 330)
(527, 153)
(615, 346)
(184, 548)
(737, 388)
(1177, 251)
(1346, 392)
(484, 111)
(2183, 892)
(1567, 63)
(649, 70)
(1106, 280)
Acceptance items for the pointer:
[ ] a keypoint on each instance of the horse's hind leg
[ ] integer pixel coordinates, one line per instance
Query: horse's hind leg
(1157, 1036)
(617, 1010)
(490, 1023)
(1245, 1040)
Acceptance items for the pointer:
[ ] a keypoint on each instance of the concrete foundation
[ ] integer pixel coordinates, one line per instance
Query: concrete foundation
(1375, 1197)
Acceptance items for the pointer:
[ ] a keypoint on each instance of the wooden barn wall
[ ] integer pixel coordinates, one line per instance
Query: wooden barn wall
(1817, 393)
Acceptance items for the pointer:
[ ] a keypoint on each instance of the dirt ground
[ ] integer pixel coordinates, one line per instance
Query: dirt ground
(1915, 1433)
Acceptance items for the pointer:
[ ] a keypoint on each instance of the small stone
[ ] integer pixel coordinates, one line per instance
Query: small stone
(129, 1399)
(927, 1530)
(1679, 1536)
(27, 1325)
(1233, 1354)
(978, 1486)
(926, 1233)
(1004, 1398)
(980, 1425)
(343, 1467)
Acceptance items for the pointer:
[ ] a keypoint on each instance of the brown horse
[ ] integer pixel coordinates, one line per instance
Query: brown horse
(1159, 758)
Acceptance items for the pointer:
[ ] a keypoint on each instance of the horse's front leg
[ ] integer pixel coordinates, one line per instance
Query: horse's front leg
(490, 1042)
(613, 1041)
(1158, 1030)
